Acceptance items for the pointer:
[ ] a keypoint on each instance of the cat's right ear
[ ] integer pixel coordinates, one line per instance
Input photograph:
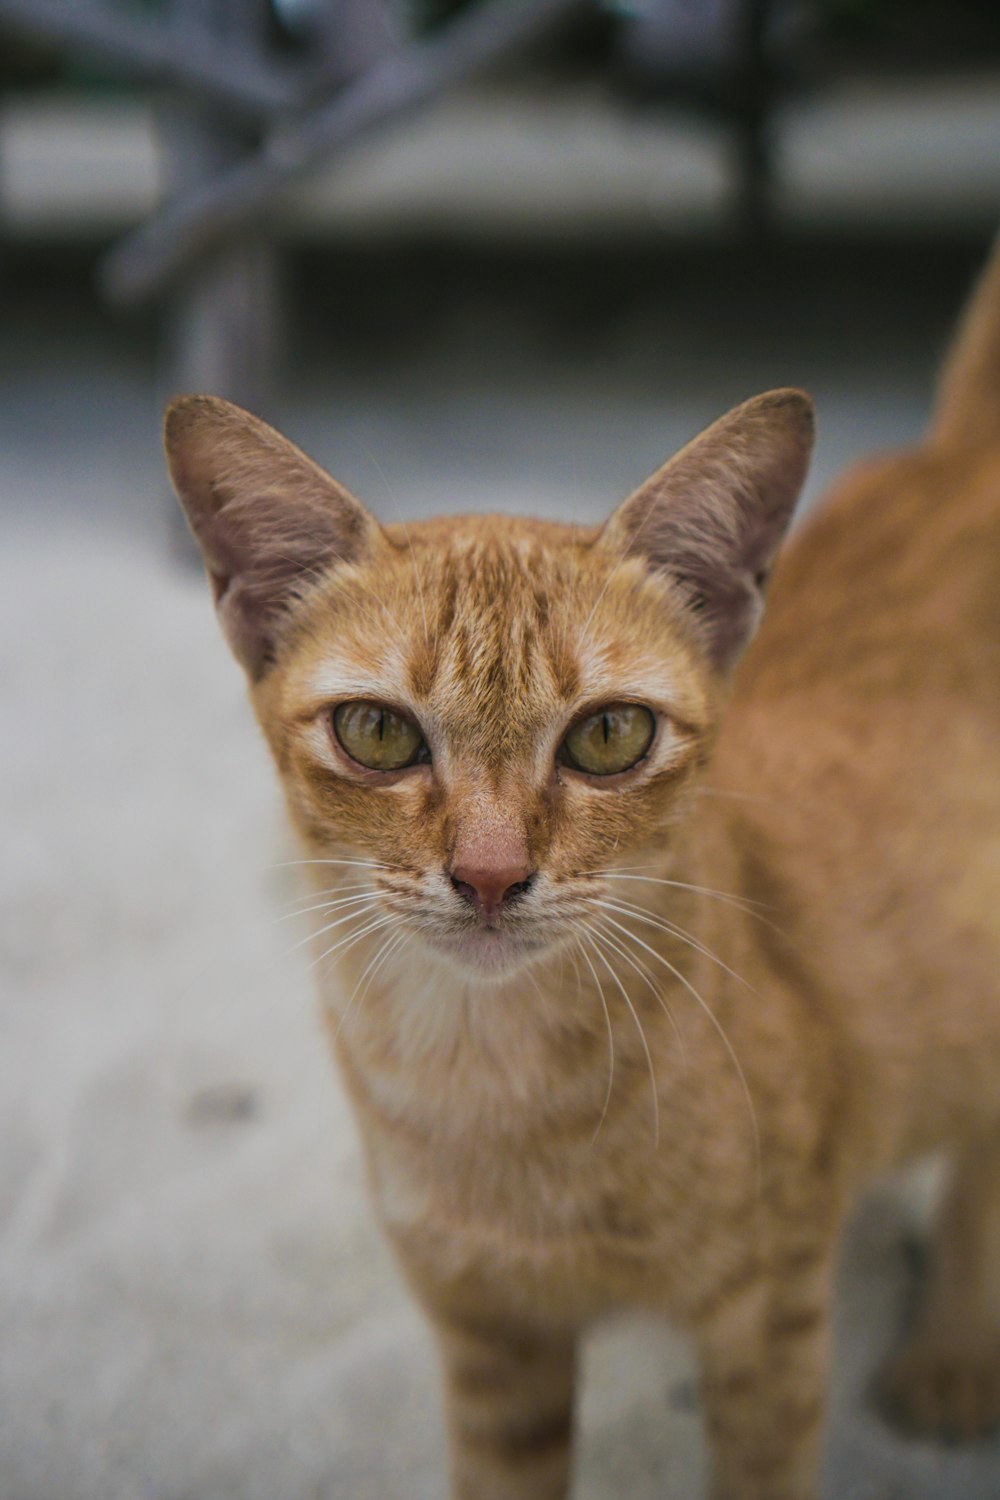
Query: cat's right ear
(267, 519)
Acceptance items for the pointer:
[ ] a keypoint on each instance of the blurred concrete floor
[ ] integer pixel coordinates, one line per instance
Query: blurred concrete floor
(195, 1301)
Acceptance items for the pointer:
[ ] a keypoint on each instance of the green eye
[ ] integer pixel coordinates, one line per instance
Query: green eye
(610, 740)
(377, 737)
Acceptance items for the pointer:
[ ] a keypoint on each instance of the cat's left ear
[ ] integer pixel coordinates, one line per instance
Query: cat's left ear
(267, 519)
(713, 517)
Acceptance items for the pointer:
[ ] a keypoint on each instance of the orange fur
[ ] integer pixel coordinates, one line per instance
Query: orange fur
(749, 973)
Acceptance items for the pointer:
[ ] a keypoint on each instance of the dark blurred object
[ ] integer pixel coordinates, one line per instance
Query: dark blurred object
(402, 79)
(282, 84)
(910, 35)
(734, 58)
(182, 48)
(29, 65)
(260, 91)
(670, 46)
(740, 59)
(255, 93)
(222, 330)
(683, 44)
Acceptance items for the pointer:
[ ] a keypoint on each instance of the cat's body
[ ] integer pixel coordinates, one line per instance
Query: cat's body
(641, 1037)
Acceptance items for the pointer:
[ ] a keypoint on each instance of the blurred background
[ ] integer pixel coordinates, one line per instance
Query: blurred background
(471, 256)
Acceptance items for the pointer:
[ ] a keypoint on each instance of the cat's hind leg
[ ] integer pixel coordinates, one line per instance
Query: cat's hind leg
(946, 1380)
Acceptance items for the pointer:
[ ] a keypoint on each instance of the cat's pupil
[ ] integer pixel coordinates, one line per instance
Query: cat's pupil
(606, 726)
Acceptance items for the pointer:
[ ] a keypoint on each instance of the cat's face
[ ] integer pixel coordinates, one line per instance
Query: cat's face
(420, 717)
(487, 713)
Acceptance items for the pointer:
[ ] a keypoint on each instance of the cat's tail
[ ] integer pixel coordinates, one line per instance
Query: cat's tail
(967, 410)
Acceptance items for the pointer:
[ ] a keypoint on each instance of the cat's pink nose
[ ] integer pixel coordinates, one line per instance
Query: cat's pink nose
(488, 887)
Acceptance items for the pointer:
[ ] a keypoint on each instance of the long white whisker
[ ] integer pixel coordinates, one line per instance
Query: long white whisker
(353, 937)
(740, 903)
(611, 1040)
(329, 926)
(719, 1030)
(645, 974)
(681, 885)
(366, 864)
(330, 890)
(368, 974)
(591, 937)
(304, 911)
(627, 908)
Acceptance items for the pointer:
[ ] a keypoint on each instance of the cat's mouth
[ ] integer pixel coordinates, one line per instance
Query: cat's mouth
(488, 950)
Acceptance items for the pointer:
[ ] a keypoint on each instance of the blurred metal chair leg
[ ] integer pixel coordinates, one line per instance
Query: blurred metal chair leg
(221, 317)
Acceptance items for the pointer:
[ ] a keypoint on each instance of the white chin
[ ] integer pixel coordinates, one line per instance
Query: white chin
(487, 953)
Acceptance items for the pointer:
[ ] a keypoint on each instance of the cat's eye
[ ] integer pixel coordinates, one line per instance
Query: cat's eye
(378, 737)
(612, 739)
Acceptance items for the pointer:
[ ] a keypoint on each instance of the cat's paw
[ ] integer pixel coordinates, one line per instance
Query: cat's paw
(945, 1390)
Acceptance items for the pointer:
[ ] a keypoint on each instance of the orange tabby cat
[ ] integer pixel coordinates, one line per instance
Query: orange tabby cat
(643, 978)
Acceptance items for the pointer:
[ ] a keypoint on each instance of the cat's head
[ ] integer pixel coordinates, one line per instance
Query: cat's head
(484, 712)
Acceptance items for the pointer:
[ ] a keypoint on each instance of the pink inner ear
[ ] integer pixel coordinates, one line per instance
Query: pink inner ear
(267, 519)
(713, 518)
(270, 569)
(727, 606)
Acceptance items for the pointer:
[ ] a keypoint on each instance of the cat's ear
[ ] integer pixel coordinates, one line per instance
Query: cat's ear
(267, 519)
(713, 517)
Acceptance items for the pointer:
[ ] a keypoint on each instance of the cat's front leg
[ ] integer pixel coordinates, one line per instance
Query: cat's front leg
(509, 1406)
(765, 1366)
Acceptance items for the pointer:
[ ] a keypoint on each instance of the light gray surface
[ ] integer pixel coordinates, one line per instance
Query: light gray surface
(194, 1300)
